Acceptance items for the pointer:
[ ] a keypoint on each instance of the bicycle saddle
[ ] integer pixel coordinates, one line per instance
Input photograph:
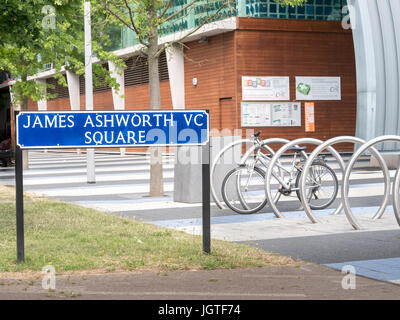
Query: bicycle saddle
(298, 149)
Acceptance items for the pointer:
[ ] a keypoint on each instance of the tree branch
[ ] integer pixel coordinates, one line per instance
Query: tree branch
(165, 9)
(202, 24)
(131, 27)
(132, 20)
(180, 10)
(116, 15)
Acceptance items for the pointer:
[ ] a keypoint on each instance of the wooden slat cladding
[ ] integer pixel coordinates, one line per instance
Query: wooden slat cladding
(137, 73)
(212, 63)
(291, 25)
(301, 53)
(261, 47)
(301, 49)
(59, 90)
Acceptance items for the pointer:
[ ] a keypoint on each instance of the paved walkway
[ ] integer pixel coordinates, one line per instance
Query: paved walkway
(122, 186)
(270, 283)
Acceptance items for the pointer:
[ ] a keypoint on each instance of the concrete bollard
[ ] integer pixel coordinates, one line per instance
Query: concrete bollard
(187, 170)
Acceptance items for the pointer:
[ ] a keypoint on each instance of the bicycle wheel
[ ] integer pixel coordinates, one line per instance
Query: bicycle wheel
(321, 186)
(243, 190)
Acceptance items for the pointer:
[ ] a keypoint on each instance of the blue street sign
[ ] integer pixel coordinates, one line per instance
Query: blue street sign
(91, 129)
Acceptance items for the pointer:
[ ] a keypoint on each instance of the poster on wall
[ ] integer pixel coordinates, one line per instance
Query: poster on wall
(318, 88)
(277, 114)
(286, 114)
(309, 119)
(256, 114)
(265, 88)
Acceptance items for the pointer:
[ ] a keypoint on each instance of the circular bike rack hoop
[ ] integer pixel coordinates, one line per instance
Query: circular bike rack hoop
(350, 165)
(214, 164)
(395, 195)
(350, 217)
(242, 160)
(276, 157)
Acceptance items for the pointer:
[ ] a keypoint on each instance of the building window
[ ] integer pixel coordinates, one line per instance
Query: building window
(311, 10)
(59, 90)
(137, 73)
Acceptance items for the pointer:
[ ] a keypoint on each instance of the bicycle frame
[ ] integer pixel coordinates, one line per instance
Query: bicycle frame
(265, 162)
(264, 159)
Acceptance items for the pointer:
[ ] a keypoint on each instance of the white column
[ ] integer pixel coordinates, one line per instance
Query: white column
(16, 106)
(176, 72)
(74, 94)
(118, 97)
(182, 171)
(73, 90)
(42, 104)
(90, 167)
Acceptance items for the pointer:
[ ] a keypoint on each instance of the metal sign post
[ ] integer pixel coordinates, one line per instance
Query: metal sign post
(19, 190)
(95, 129)
(19, 199)
(206, 198)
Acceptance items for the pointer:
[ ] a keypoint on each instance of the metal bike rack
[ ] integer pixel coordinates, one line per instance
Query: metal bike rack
(395, 195)
(272, 152)
(321, 146)
(242, 161)
(346, 178)
(350, 217)
(275, 158)
(214, 164)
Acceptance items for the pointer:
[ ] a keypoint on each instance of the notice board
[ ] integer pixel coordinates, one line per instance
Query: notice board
(271, 114)
(318, 88)
(309, 109)
(265, 88)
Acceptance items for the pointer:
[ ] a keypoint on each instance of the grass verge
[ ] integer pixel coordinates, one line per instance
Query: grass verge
(74, 238)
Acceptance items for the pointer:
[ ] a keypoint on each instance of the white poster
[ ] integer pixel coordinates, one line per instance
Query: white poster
(256, 114)
(286, 114)
(318, 88)
(265, 88)
(277, 114)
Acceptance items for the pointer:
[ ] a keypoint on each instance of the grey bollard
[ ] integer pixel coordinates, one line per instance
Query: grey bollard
(187, 169)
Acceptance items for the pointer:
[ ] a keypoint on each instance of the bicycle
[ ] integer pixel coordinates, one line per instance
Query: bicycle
(243, 187)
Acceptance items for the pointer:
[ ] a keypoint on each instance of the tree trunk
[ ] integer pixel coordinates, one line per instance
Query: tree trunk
(156, 168)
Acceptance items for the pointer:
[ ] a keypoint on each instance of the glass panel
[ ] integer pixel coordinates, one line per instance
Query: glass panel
(204, 9)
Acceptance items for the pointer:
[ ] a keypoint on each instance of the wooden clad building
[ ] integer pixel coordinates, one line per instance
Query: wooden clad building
(256, 47)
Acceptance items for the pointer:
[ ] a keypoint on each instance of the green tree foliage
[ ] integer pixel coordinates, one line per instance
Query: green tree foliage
(147, 19)
(292, 3)
(39, 32)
